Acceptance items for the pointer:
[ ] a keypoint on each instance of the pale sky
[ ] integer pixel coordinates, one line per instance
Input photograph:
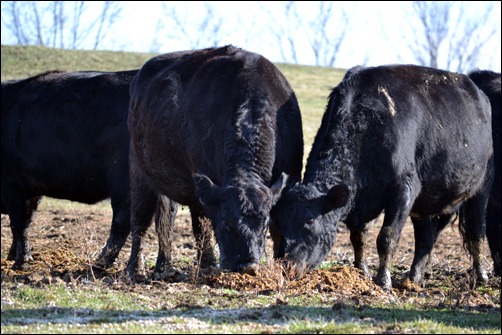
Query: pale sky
(376, 36)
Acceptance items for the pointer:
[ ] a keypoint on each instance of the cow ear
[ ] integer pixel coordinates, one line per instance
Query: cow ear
(277, 187)
(208, 192)
(338, 196)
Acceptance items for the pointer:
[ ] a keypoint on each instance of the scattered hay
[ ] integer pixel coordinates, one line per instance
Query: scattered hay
(47, 264)
(338, 279)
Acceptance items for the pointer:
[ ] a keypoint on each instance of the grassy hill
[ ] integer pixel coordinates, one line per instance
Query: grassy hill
(311, 84)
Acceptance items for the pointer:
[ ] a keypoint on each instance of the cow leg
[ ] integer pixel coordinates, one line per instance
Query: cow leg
(424, 229)
(21, 216)
(143, 206)
(472, 226)
(202, 233)
(164, 225)
(441, 222)
(493, 221)
(277, 240)
(120, 228)
(396, 213)
(358, 238)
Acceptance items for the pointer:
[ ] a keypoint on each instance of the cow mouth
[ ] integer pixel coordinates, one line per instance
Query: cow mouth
(248, 266)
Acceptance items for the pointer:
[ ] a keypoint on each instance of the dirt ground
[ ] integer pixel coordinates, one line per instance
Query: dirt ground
(66, 239)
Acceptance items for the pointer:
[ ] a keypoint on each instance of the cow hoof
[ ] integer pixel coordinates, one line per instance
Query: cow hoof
(384, 280)
(496, 265)
(162, 265)
(208, 260)
(101, 264)
(107, 257)
(136, 274)
(19, 266)
(168, 274)
(364, 268)
(138, 278)
(250, 269)
(12, 255)
(366, 271)
(482, 277)
(22, 263)
(416, 277)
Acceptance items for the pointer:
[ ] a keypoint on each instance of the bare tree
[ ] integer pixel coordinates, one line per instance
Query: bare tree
(326, 37)
(450, 36)
(323, 30)
(61, 24)
(191, 26)
(285, 30)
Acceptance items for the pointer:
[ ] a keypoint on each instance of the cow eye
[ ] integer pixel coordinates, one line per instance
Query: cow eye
(310, 222)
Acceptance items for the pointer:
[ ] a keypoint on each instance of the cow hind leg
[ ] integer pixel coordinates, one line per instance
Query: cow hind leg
(143, 206)
(441, 222)
(165, 215)
(358, 238)
(425, 232)
(493, 221)
(472, 227)
(20, 219)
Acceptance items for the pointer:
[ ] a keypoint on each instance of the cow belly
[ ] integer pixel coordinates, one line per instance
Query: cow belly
(170, 177)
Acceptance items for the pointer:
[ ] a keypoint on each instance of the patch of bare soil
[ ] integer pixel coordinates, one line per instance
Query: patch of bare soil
(65, 242)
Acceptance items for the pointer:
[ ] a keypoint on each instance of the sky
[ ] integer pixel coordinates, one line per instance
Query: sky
(377, 30)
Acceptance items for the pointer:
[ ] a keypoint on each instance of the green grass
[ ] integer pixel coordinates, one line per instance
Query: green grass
(92, 308)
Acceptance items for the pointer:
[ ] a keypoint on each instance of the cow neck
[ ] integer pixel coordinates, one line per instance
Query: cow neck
(333, 159)
(250, 144)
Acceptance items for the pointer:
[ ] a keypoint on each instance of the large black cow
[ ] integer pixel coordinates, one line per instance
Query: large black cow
(64, 135)
(490, 83)
(403, 139)
(218, 130)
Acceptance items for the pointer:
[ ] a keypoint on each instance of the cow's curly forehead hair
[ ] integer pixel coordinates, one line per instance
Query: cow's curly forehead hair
(253, 199)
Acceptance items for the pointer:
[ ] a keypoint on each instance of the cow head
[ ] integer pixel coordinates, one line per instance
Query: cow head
(240, 213)
(306, 220)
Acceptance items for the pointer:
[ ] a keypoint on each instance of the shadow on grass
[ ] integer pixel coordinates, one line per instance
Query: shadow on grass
(265, 316)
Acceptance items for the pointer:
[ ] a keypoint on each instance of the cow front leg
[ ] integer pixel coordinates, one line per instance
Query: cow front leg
(473, 230)
(202, 230)
(358, 238)
(119, 231)
(396, 213)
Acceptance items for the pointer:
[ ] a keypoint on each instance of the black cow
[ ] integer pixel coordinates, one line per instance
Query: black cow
(218, 130)
(489, 82)
(403, 139)
(64, 135)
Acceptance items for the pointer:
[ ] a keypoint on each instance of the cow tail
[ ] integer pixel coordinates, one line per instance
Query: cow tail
(461, 215)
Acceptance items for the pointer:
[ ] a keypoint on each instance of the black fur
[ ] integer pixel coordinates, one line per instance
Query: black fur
(407, 140)
(213, 130)
(489, 82)
(64, 135)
